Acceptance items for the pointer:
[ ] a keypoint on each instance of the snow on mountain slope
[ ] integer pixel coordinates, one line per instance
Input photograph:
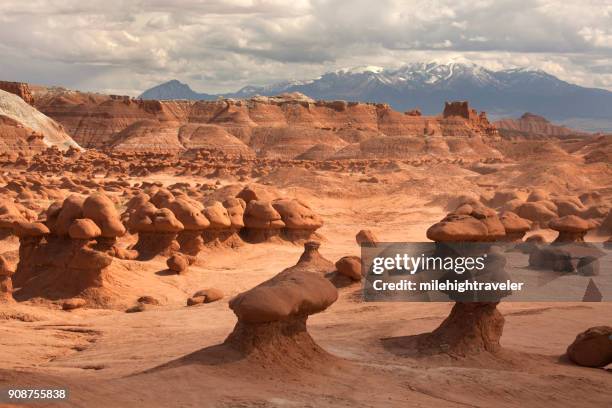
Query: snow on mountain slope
(427, 85)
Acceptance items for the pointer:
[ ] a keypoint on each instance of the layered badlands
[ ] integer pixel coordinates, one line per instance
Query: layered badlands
(287, 127)
(236, 244)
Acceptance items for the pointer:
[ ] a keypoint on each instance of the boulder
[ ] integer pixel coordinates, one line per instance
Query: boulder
(592, 348)
(208, 295)
(350, 266)
(178, 263)
(366, 238)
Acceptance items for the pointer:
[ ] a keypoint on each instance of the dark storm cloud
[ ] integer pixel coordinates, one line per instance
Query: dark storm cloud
(126, 46)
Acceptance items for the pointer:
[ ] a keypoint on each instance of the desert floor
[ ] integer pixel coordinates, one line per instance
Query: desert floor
(109, 358)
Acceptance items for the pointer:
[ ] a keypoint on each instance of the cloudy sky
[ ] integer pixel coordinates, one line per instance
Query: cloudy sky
(126, 46)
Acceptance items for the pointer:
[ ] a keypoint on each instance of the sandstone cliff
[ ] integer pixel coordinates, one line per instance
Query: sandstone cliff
(25, 129)
(20, 89)
(533, 125)
(286, 126)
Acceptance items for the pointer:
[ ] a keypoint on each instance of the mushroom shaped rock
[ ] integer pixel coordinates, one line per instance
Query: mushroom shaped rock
(592, 348)
(190, 239)
(312, 260)
(467, 228)
(300, 221)
(515, 226)
(220, 231)
(101, 210)
(63, 265)
(571, 228)
(471, 327)
(272, 317)
(157, 231)
(261, 221)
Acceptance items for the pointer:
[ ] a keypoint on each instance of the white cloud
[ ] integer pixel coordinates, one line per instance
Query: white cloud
(219, 45)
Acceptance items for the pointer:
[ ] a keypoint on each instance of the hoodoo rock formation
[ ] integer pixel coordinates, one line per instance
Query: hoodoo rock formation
(68, 257)
(299, 219)
(475, 326)
(194, 222)
(272, 317)
(157, 230)
(101, 210)
(515, 226)
(570, 228)
(261, 221)
(221, 230)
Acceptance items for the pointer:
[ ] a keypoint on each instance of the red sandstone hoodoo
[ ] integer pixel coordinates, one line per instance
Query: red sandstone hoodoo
(272, 316)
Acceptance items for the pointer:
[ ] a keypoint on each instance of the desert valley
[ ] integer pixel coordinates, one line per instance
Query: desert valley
(206, 253)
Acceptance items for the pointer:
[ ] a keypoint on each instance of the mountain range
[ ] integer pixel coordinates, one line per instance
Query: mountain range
(426, 86)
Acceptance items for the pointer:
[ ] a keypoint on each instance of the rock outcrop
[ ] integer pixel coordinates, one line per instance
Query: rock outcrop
(273, 127)
(24, 127)
(6, 283)
(20, 89)
(533, 125)
(68, 256)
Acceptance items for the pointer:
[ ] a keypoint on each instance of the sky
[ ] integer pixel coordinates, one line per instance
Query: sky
(127, 46)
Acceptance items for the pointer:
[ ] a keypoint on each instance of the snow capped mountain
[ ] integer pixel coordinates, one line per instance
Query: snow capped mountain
(427, 85)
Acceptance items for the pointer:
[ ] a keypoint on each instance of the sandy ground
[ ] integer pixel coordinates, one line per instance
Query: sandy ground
(108, 358)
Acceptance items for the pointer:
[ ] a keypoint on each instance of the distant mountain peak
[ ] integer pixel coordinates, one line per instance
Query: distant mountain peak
(427, 85)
